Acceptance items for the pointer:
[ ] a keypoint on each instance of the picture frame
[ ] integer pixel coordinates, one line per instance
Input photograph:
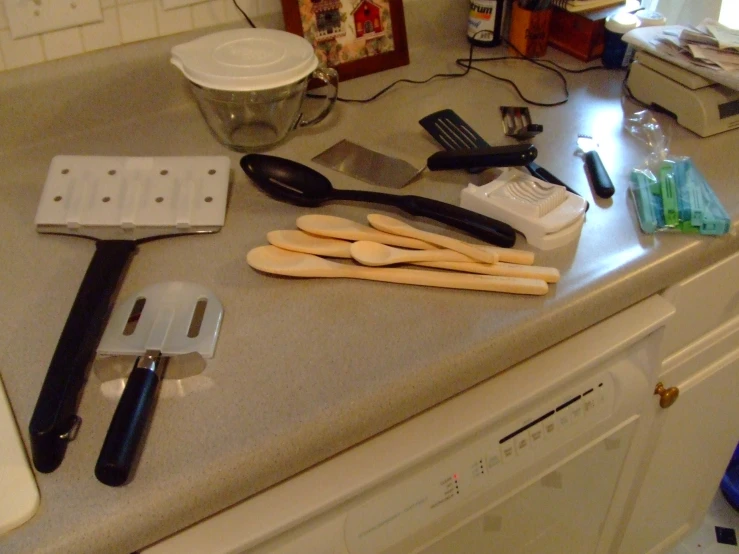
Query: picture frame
(355, 37)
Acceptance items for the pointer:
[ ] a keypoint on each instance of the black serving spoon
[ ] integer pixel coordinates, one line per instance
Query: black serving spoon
(301, 185)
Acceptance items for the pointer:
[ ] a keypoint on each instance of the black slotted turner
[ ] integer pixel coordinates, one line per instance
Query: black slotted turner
(456, 135)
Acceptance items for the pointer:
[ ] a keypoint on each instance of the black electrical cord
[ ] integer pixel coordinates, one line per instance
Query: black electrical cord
(244, 14)
(467, 64)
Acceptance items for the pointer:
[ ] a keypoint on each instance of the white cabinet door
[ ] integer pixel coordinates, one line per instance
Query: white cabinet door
(694, 439)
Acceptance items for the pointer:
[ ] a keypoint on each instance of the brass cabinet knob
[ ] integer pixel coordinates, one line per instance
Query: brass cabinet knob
(667, 397)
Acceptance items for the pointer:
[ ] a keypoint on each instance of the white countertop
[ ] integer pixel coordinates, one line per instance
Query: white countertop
(304, 368)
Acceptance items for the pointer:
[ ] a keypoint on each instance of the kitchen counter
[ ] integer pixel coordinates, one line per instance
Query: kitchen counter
(303, 368)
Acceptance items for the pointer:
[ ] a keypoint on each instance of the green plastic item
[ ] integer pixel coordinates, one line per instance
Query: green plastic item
(679, 199)
(668, 190)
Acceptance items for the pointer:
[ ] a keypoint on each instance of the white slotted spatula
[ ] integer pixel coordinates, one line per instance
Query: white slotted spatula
(161, 321)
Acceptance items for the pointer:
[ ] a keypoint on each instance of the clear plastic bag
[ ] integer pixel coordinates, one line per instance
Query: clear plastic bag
(669, 192)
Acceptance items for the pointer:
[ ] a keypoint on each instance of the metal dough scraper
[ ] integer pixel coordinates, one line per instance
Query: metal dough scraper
(119, 202)
(367, 165)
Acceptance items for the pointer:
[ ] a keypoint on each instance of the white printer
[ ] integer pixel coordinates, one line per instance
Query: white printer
(703, 106)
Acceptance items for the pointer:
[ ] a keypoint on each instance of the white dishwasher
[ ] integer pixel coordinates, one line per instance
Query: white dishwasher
(530, 461)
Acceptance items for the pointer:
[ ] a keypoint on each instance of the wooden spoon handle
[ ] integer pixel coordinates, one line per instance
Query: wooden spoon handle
(443, 279)
(511, 255)
(307, 224)
(403, 229)
(437, 255)
(271, 259)
(548, 274)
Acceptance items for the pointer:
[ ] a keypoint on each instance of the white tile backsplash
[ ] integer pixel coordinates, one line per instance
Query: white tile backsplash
(105, 34)
(173, 21)
(62, 44)
(124, 21)
(138, 21)
(208, 14)
(3, 20)
(270, 6)
(21, 51)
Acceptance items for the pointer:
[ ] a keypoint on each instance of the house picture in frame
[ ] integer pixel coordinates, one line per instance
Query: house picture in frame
(367, 20)
(357, 37)
(329, 23)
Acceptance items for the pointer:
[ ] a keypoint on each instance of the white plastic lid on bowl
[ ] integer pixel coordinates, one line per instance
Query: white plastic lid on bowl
(651, 18)
(245, 59)
(622, 22)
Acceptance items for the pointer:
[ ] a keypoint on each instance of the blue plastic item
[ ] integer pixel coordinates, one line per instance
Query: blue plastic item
(730, 482)
(678, 199)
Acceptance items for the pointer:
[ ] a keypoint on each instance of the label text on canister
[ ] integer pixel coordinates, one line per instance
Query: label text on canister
(481, 23)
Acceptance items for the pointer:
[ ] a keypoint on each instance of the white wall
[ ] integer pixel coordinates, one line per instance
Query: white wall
(686, 12)
(124, 21)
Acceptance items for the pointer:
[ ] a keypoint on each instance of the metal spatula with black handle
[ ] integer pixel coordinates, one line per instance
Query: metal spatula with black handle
(161, 321)
(119, 202)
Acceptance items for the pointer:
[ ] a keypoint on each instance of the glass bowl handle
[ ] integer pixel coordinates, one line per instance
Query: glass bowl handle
(330, 77)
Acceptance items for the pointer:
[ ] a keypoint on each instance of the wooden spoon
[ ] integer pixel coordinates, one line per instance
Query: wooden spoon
(341, 228)
(299, 241)
(397, 227)
(271, 259)
(376, 254)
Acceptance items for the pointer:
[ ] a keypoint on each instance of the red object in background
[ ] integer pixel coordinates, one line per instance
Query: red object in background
(367, 19)
(577, 34)
(582, 34)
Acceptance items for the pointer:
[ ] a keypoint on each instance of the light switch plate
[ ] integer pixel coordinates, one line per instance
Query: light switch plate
(33, 17)
(171, 4)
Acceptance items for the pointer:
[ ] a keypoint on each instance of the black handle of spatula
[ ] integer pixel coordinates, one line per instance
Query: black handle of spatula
(599, 177)
(492, 156)
(481, 226)
(124, 437)
(54, 418)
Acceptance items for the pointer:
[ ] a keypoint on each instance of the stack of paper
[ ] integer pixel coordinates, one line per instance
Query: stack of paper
(710, 45)
(585, 5)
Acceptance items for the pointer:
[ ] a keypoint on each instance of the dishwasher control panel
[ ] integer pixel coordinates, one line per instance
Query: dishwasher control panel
(497, 455)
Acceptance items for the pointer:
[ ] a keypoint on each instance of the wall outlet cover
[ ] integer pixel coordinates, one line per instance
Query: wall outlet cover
(172, 4)
(33, 17)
